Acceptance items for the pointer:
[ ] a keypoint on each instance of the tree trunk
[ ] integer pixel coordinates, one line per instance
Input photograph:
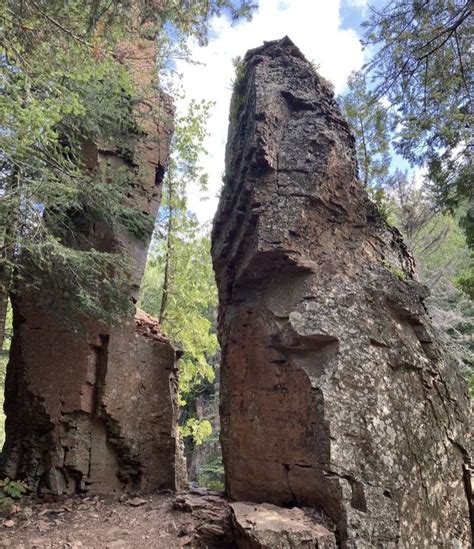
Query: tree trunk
(9, 229)
(3, 314)
(166, 279)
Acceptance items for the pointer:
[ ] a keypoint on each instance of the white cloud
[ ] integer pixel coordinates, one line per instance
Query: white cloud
(314, 26)
(362, 4)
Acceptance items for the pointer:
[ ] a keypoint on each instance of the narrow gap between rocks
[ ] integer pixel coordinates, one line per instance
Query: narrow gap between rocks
(179, 289)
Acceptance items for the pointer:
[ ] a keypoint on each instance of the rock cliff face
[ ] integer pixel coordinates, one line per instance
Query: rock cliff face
(96, 411)
(335, 393)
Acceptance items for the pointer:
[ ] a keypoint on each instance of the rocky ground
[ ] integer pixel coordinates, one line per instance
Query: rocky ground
(152, 521)
(198, 518)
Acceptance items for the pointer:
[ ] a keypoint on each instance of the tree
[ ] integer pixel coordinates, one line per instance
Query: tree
(4, 352)
(179, 285)
(65, 83)
(191, 17)
(190, 309)
(442, 256)
(422, 60)
(183, 169)
(57, 96)
(370, 123)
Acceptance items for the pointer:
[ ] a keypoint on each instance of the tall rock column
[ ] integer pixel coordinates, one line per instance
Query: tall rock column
(95, 410)
(335, 393)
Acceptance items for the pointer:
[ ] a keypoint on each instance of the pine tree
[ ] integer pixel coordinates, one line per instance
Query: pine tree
(423, 66)
(370, 122)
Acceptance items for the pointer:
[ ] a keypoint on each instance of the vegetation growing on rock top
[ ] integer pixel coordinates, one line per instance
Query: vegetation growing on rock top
(66, 82)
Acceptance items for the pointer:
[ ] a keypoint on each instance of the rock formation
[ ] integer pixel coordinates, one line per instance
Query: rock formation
(334, 392)
(221, 524)
(96, 411)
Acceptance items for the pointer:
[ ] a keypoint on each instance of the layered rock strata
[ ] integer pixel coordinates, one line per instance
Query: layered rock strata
(95, 409)
(334, 392)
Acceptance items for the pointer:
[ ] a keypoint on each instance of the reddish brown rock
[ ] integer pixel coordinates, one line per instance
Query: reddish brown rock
(96, 413)
(211, 513)
(222, 524)
(266, 526)
(335, 393)
(95, 409)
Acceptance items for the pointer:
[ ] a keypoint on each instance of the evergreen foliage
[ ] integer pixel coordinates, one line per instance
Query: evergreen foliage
(212, 473)
(65, 85)
(370, 122)
(423, 65)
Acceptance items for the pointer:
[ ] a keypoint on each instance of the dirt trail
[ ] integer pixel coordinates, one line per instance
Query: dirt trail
(96, 522)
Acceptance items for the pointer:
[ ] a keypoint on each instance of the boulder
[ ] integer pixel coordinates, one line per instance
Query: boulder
(210, 512)
(266, 526)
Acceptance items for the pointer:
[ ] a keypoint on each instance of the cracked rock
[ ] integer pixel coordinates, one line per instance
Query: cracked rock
(95, 410)
(335, 392)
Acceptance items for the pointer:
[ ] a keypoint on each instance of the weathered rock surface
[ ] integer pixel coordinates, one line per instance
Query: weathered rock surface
(220, 524)
(335, 393)
(211, 516)
(94, 414)
(266, 526)
(199, 519)
(96, 410)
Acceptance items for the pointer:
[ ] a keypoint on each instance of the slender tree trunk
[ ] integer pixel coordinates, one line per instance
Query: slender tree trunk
(169, 231)
(366, 155)
(4, 293)
(8, 238)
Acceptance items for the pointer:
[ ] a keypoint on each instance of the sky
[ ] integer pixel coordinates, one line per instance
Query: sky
(326, 31)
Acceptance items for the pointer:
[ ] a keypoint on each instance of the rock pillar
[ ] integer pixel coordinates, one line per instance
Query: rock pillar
(335, 392)
(95, 409)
